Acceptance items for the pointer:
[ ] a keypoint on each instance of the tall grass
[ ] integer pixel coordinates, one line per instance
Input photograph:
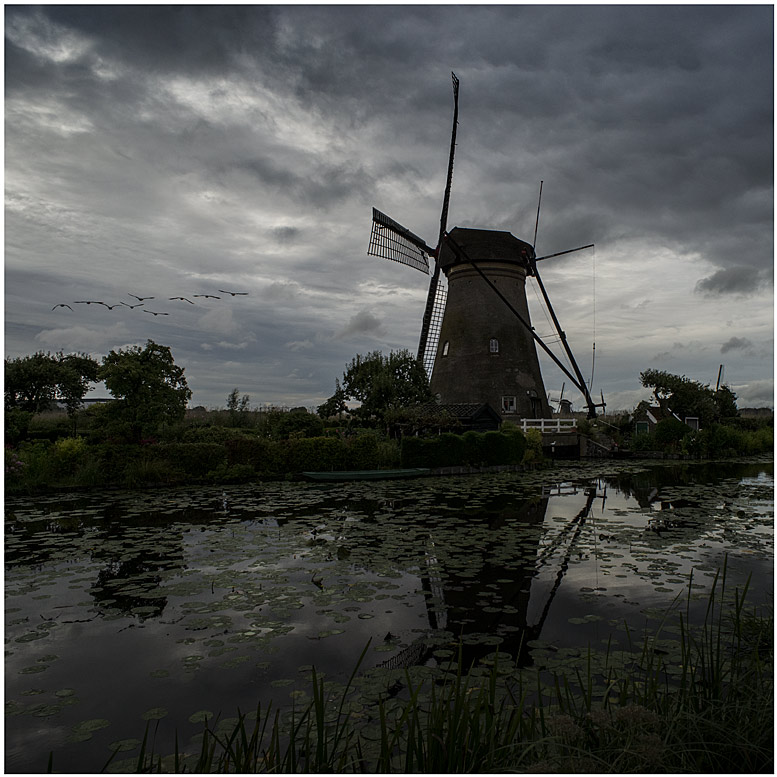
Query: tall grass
(708, 707)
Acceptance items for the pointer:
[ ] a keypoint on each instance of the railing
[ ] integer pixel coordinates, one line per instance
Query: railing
(549, 424)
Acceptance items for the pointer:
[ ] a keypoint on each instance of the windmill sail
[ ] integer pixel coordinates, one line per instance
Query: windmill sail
(435, 323)
(433, 285)
(390, 240)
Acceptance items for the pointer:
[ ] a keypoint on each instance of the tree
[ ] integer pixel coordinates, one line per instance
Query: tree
(684, 396)
(237, 407)
(726, 402)
(149, 387)
(380, 383)
(32, 383)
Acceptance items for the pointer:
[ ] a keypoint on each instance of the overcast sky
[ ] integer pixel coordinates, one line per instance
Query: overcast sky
(174, 151)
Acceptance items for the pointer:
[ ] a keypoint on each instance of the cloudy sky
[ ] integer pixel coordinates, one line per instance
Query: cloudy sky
(179, 150)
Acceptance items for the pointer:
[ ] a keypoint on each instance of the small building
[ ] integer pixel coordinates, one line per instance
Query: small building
(647, 417)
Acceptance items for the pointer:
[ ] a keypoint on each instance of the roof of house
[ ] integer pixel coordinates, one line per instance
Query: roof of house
(464, 410)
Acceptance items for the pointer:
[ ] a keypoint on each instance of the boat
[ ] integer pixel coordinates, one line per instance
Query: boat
(367, 474)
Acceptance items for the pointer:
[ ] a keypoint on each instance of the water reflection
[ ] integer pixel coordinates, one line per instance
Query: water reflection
(299, 574)
(492, 599)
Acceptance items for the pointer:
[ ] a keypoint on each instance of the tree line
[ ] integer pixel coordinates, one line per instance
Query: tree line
(147, 386)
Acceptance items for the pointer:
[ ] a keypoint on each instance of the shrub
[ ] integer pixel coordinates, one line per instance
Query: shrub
(68, 449)
(361, 451)
(236, 473)
(474, 451)
(470, 449)
(263, 455)
(148, 470)
(282, 426)
(195, 458)
(17, 423)
(212, 434)
(669, 432)
(532, 447)
(314, 453)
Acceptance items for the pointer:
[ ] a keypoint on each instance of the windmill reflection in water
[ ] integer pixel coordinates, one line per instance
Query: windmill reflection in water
(459, 603)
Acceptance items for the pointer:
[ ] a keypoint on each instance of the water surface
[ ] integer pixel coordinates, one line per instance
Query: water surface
(128, 607)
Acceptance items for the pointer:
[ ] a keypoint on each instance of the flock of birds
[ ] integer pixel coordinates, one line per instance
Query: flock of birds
(141, 301)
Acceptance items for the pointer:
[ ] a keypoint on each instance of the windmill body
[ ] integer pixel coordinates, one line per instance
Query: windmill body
(482, 354)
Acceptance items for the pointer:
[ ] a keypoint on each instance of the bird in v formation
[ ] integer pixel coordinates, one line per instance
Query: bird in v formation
(141, 300)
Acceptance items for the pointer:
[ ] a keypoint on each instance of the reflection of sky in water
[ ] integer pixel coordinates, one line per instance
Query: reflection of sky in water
(163, 600)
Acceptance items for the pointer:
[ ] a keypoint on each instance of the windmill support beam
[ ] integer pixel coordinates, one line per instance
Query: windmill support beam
(580, 382)
(577, 380)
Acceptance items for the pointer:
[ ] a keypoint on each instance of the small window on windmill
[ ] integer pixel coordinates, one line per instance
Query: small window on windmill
(642, 427)
(508, 404)
(493, 345)
(692, 421)
(445, 347)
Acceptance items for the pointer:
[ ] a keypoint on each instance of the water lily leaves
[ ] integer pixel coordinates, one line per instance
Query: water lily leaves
(201, 716)
(155, 713)
(83, 731)
(123, 745)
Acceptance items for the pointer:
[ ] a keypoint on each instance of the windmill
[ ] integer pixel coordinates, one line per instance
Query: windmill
(469, 343)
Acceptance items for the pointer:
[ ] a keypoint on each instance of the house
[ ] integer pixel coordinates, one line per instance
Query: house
(647, 417)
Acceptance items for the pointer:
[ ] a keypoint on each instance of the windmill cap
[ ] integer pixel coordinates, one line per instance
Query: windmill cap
(484, 245)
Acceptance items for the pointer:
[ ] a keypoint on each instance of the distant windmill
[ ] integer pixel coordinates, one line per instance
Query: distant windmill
(477, 342)
(558, 401)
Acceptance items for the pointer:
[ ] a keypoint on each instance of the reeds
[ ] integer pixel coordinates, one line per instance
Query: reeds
(706, 707)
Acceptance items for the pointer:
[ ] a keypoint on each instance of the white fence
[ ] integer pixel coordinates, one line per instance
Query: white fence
(546, 425)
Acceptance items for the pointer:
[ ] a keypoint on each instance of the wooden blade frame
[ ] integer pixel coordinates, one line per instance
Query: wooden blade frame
(435, 324)
(390, 240)
(430, 297)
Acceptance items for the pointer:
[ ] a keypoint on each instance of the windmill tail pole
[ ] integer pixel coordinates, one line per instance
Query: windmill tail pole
(580, 383)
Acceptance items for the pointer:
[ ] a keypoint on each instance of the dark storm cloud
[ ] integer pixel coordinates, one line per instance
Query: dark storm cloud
(735, 280)
(736, 344)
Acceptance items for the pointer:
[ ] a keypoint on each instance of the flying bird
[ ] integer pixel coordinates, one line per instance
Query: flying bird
(111, 307)
(126, 304)
(155, 314)
(62, 305)
(207, 296)
(183, 299)
(234, 293)
(139, 299)
(88, 302)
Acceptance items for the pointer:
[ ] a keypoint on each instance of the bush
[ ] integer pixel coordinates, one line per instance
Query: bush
(314, 454)
(194, 458)
(532, 447)
(147, 470)
(236, 473)
(361, 451)
(474, 450)
(282, 426)
(669, 432)
(263, 455)
(470, 449)
(212, 434)
(17, 422)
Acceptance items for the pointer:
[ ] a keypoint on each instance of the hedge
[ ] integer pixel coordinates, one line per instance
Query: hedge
(194, 458)
(473, 449)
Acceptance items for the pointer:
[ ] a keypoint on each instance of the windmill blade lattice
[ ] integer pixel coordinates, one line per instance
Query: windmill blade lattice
(435, 323)
(390, 240)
